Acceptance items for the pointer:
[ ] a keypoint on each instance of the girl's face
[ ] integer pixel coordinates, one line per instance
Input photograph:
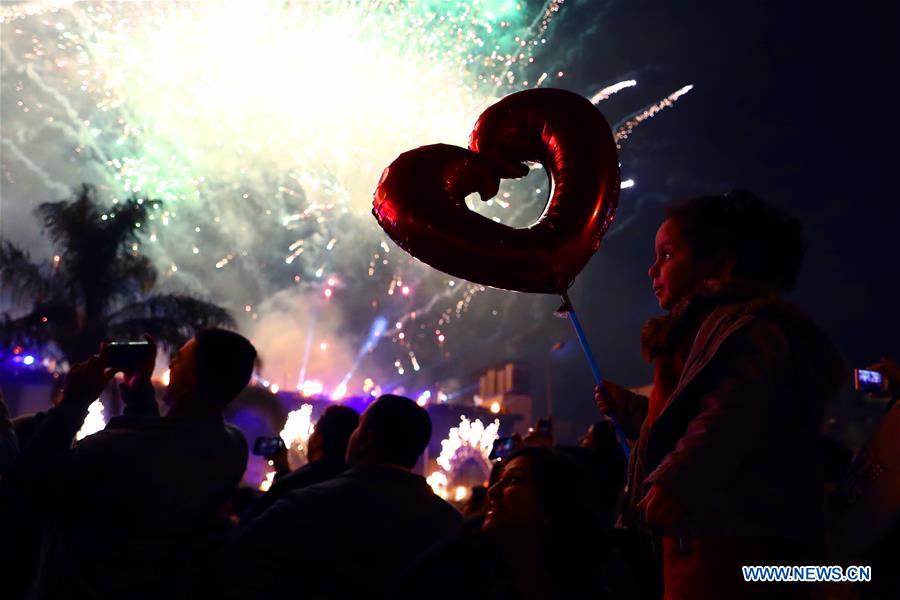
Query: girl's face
(677, 271)
(513, 503)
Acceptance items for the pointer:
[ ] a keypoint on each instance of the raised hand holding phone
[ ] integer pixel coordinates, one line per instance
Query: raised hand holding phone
(85, 381)
(135, 360)
(273, 449)
(887, 370)
(541, 434)
(504, 446)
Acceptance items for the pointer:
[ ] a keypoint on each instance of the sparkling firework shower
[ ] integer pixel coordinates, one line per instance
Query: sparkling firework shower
(263, 127)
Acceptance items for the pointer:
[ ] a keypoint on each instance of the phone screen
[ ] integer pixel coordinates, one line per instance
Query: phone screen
(123, 355)
(503, 447)
(268, 446)
(868, 381)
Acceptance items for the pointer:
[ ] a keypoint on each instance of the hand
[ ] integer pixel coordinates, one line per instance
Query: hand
(611, 399)
(534, 437)
(891, 372)
(279, 460)
(660, 510)
(85, 381)
(140, 372)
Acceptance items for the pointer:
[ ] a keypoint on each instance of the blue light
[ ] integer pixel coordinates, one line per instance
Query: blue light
(28, 360)
(379, 325)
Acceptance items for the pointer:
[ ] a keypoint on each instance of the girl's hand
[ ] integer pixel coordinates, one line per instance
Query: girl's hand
(136, 374)
(891, 372)
(540, 436)
(611, 399)
(85, 381)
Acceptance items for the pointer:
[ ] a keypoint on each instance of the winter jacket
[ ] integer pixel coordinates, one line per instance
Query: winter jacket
(729, 434)
(735, 435)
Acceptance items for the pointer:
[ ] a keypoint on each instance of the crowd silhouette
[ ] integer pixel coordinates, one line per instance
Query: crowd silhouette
(728, 467)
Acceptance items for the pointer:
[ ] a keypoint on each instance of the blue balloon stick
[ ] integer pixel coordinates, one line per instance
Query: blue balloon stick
(595, 369)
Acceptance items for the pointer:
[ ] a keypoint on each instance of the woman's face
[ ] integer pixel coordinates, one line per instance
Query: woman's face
(513, 501)
(677, 271)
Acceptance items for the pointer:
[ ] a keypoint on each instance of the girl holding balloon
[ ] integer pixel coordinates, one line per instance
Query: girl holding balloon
(724, 469)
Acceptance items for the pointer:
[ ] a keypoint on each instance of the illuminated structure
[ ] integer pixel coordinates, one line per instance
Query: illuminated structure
(506, 388)
(467, 446)
(297, 429)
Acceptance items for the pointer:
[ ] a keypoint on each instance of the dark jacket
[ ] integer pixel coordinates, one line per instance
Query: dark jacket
(350, 537)
(735, 439)
(470, 565)
(309, 474)
(130, 505)
(467, 566)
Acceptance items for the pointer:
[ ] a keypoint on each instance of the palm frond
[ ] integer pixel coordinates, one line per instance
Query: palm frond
(168, 333)
(46, 324)
(95, 249)
(98, 287)
(20, 277)
(170, 318)
(133, 277)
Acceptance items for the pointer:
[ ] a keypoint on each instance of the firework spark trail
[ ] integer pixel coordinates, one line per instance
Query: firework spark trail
(608, 91)
(542, 23)
(79, 133)
(261, 129)
(34, 168)
(623, 131)
(449, 292)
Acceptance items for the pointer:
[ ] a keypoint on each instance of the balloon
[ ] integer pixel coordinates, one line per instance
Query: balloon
(420, 199)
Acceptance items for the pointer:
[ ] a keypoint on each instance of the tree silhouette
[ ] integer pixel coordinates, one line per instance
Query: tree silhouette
(97, 287)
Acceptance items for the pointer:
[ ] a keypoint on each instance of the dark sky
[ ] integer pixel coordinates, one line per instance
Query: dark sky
(792, 101)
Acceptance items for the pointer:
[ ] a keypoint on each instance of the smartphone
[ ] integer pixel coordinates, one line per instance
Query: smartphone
(543, 427)
(868, 381)
(268, 446)
(503, 447)
(125, 355)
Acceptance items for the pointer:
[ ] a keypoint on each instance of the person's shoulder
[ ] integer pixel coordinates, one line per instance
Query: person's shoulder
(334, 485)
(235, 436)
(447, 509)
(740, 323)
(437, 505)
(312, 498)
(297, 510)
(778, 326)
(745, 337)
(309, 474)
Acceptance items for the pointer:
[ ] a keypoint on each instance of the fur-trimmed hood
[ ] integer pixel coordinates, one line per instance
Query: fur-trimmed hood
(820, 364)
(662, 334)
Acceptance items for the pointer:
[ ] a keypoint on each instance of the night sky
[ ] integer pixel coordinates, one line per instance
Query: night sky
(792, 100)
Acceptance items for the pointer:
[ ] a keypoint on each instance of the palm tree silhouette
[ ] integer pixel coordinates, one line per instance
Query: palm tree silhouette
(97, 287)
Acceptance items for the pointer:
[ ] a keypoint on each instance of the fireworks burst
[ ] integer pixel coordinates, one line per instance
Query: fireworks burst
(295, 434)
(93, 422)
(263, 127)
(471, 440)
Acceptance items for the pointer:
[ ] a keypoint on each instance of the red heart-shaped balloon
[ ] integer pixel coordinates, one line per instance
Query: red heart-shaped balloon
(420, 199)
